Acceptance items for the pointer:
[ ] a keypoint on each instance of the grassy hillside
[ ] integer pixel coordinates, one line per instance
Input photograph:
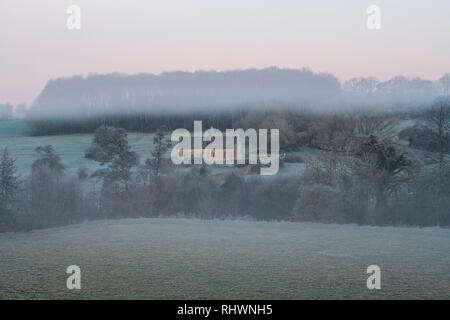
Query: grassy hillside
(14, 128)
(71, 148)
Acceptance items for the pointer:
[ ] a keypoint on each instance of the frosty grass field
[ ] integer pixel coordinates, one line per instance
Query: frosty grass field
(199, 259)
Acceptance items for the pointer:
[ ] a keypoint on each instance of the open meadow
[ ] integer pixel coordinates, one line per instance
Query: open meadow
(219, 259)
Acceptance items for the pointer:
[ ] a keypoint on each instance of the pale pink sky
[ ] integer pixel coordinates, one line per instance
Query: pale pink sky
(136, 36)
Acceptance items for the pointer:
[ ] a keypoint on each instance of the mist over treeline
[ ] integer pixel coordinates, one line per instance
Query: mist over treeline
(207, 91)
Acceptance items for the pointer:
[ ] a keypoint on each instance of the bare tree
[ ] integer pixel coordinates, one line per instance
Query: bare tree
(445, 83)
(375, 124)
(152, 167)
(48, 158)
(439, 117)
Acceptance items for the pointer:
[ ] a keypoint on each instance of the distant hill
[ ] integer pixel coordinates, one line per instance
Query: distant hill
(177, 92)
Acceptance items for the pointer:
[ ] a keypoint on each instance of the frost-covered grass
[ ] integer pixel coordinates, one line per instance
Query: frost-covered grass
(201, 259)
(13, 128)
(71, 148)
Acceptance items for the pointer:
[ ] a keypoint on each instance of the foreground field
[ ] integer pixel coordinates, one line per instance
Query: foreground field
(199, 259)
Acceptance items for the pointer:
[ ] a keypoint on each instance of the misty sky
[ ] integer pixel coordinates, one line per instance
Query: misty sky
(133, 36)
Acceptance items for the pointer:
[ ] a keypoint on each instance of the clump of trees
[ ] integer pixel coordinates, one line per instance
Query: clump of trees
(54, 199)
(375, 183)
(46, 198)
(110, 147)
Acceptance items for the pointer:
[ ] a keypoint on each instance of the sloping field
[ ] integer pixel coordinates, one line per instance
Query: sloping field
(178, 258)
(71, 149)
(13, 128)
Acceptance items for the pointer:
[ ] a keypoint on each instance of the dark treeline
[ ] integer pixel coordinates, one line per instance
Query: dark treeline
(297, 128)
(137, 122)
